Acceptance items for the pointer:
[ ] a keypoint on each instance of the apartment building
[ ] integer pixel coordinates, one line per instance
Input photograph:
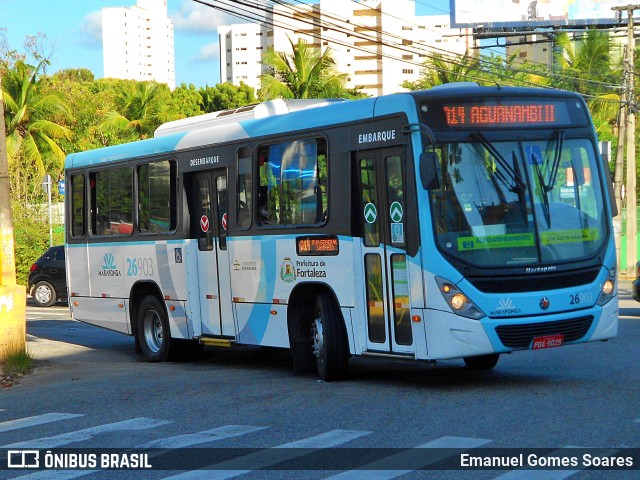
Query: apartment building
(137, 42)
(379, 44)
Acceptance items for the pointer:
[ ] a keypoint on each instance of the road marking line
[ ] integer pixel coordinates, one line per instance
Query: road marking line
(140, 423)
(177, 441)
(382, 469)
(271, 456)
(35, 420)
(522, 474)
(190, 439)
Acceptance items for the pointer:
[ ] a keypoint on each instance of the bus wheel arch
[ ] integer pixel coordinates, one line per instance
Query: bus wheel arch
(145, 302)
(317, 332)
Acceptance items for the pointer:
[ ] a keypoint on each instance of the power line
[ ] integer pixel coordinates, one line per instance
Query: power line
(416, 47)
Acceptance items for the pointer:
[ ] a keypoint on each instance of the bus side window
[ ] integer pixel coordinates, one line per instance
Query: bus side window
(78, 199)
(293, 183)
(112, 201)
(245, 188)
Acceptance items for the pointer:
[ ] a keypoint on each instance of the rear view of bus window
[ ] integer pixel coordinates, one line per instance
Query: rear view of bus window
(293, 183)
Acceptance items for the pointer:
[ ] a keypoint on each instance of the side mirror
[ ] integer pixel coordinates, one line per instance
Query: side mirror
(429, 170)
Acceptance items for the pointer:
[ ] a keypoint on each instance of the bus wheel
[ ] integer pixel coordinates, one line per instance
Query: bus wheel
(304, 361)
(329, 340)
(153, 330)
(482, 362)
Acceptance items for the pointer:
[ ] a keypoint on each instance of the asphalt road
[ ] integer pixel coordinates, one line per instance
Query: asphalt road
(90, 390)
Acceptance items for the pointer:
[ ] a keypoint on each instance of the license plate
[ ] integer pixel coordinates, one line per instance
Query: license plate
(548, 341)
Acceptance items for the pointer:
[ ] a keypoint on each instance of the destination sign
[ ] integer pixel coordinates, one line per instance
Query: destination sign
(494, 113)
(317, 245)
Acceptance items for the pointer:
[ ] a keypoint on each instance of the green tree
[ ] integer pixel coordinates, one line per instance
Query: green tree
(302, 73)
(138, 110)
(33, 138)
(584, 64)
(225, 96)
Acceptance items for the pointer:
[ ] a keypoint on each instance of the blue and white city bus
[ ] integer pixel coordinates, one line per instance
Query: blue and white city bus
(459, 222)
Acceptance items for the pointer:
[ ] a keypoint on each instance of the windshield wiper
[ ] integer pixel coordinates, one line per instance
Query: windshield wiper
(543, 186)
(518, 184)
(556, 161)
(547, 185)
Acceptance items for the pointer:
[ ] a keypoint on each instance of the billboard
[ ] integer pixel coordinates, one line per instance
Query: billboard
(533, 13)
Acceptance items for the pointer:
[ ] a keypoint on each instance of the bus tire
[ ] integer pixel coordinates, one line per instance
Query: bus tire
(304, 361)
(482, 362)
(329, 340)
(153, 330)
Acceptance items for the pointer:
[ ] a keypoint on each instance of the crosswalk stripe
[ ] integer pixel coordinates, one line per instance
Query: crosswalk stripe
(408, 461)
(35, 420)
(523, 474)
(190, 439)
(271, 456)
(140, 423)
(177, 441)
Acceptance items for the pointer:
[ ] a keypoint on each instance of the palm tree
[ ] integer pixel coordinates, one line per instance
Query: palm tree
(303, 73)
(441, 69)
(32, 136)
(139, 110)
(584, 64)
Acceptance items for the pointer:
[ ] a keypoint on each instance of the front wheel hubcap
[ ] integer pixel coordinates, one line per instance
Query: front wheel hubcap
(318, 338)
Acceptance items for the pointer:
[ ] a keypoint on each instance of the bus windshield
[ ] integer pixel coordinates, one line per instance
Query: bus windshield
(504, 203)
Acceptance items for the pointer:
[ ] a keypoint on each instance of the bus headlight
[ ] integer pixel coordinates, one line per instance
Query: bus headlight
(458, 301)
(608, 290)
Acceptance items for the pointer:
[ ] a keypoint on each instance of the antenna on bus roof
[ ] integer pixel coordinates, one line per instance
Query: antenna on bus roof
(234, 115)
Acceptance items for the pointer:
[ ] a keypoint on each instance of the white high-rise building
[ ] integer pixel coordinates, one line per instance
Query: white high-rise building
(137, 42)
(379, 44)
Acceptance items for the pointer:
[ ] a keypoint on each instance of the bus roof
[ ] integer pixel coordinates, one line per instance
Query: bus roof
(280, 116)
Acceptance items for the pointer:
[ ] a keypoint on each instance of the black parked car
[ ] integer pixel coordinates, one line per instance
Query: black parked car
(47, 278)
(635, 285)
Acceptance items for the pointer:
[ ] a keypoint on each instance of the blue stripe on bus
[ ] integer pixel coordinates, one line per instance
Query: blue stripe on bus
(150, 146)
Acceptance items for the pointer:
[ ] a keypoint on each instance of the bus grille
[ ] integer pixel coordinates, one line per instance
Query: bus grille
(521, 336)
(532, 283)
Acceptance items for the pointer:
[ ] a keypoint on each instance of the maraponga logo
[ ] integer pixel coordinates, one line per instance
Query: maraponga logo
(506, 307)
(109, 268)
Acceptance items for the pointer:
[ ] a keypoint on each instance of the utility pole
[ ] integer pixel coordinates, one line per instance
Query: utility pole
(12, 297)
(630, 142)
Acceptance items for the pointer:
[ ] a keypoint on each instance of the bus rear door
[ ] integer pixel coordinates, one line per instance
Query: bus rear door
(388, 315)
(213, 259)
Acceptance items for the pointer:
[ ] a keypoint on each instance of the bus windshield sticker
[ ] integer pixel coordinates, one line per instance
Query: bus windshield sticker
(534, 155)
(496, 241)
(570, 236)
(370, 213)
(397, 233)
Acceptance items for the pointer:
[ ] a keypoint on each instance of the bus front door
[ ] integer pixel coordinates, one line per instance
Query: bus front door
(213, 259)
(388, 315)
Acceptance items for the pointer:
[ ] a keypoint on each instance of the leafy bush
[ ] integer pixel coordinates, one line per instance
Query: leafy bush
(31, 237)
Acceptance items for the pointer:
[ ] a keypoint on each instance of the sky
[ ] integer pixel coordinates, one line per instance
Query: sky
(74, 34)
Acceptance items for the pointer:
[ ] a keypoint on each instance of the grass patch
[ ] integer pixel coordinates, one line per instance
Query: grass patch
(16, 365)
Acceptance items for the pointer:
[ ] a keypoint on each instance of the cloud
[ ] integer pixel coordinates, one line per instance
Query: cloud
(209, 52)
(91, 29)
(198, 18)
